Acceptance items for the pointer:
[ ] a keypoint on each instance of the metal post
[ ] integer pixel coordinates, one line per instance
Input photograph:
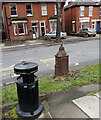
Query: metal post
(61, 62)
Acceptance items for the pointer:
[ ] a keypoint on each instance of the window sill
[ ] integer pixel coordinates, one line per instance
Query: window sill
(15, 35)
(14, 15)
(29, 15)
(21, 34)
(44, 15)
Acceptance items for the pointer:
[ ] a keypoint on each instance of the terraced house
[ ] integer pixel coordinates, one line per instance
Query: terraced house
(81, 14)
(24, 19)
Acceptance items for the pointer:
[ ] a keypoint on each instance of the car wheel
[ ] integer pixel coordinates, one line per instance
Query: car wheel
(94, 35)
(86, 35)
(62, 38)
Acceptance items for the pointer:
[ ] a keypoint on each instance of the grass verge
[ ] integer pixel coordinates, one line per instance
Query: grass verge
(19, 42)
(48, 84)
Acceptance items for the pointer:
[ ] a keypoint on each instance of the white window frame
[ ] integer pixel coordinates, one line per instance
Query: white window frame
(35, 26)
(42, 26)
(55, 25)
(81, 10)
(44, 9)
(86, 23)
(55, 9)
(81, 25)
(11, 10)
(73, 27)
(90, 10)
(26, 29)
(14, 29)
(23, 29)
(94, 24)
(50, 23)
(100, 11)
(31, 10)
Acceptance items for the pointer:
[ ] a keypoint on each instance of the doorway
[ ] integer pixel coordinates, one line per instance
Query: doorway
(98, 26)
(35, 30)
(42, 28)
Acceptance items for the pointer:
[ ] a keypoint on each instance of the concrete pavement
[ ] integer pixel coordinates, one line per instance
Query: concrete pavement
(77, 103)
(46, 43)
(83, 102)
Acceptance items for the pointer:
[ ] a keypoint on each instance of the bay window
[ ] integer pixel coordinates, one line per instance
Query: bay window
(21, 28)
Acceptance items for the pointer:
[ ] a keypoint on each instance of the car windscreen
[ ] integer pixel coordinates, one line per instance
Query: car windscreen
(50, 32)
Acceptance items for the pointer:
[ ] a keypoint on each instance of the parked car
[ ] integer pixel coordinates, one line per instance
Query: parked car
(88, 32)
(53, 34)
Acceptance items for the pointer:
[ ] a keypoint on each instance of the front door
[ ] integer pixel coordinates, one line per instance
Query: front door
(35, 30)
(98, 26)
(42, 28)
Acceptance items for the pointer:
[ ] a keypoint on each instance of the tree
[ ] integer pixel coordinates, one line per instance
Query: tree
(59, 13)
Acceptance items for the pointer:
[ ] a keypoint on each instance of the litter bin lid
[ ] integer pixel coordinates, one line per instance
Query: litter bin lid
(25, 67)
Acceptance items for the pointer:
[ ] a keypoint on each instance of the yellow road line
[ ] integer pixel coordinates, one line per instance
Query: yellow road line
(47, 60)
(7, 68)
(14, 75)
(12, 66)
(4, 74)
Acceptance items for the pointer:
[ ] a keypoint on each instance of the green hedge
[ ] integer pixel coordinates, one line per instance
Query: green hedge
(77, 34)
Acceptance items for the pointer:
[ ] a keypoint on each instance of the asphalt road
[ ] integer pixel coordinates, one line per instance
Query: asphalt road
(80, 54)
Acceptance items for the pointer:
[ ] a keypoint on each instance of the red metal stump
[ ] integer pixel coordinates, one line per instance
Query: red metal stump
(61, 62)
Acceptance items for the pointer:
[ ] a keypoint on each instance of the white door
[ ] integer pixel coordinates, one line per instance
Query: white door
(35, 30)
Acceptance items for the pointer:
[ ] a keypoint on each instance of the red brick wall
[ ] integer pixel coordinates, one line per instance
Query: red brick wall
(96, 12)
(21, 10)
(72, 14)
(77, 19)
(68, 20)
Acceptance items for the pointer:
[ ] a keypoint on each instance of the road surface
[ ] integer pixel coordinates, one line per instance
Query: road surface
(80, 54)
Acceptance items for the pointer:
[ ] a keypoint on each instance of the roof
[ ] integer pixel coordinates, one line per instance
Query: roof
(83, 4)
(86, 0)
(32, 1)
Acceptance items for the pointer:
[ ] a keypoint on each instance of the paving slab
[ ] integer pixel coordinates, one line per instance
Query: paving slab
(89, 104)
(98, 95)
(62, 97)
(67, 110)
(44, 115)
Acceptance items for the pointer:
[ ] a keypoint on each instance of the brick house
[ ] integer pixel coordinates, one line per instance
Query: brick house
(79, 15)
(24, 19)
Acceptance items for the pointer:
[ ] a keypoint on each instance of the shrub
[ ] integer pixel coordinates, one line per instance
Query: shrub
(77, 34)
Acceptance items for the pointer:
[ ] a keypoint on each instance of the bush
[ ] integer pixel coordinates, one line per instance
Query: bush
(77, 34)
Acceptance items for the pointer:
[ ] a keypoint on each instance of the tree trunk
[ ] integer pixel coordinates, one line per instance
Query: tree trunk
(59, 12)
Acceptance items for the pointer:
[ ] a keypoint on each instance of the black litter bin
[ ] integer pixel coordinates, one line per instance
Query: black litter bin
(27, 90)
